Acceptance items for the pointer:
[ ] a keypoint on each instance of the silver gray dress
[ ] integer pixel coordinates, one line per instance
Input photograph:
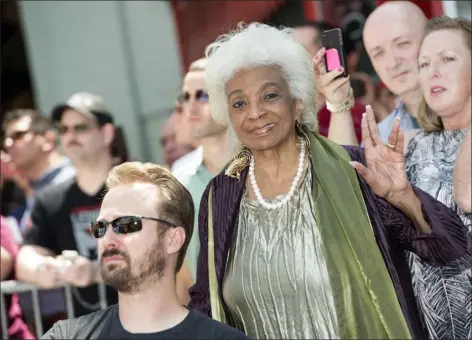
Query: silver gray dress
(276, 283)
(444, 294)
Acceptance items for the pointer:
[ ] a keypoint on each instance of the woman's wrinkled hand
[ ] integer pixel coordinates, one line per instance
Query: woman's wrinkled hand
(385, 172)
(335, 91)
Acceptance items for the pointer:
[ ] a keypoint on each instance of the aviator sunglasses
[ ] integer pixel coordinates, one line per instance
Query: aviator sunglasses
(200, 95)
(123, 225)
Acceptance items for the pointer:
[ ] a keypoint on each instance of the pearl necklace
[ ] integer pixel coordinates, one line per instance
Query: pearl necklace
(288, 196)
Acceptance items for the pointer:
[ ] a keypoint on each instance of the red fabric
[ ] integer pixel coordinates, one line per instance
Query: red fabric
(324, 118)
(198, 23)
(17, 328)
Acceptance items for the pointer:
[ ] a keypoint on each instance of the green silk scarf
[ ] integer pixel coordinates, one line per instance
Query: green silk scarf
(366, 303)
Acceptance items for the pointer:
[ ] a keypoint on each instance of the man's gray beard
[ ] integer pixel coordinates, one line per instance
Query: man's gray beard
(121, 277)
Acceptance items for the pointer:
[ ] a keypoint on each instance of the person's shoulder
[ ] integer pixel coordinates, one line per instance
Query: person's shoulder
(53, 195)
(66, 173)
(51, 191)
(387, 121)
(187, 165)
(80, 327)
(208, 328)
(189, 159)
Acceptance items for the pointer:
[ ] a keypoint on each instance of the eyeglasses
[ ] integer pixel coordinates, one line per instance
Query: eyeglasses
(123, 225)
(200, 95)
(15, 136)
(79, 128)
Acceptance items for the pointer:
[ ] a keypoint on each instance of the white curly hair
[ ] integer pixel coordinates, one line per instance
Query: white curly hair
(255, 45)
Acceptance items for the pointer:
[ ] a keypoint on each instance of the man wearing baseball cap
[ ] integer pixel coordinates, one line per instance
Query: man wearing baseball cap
(62, 214)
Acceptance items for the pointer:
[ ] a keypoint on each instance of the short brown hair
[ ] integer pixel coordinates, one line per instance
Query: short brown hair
(427, 119)
(39, 123)
(176, 205)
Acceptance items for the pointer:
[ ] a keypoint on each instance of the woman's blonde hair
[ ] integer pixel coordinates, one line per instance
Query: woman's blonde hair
(427, 119)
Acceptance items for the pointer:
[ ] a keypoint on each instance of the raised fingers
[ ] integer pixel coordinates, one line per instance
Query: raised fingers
(318, 62)
(336, 84)
(372, 125)
(366, 138)
(393, 137)
(400, 141)
(331, 75)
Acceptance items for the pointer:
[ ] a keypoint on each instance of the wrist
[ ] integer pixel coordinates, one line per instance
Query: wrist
(344, 106)
(404, 199)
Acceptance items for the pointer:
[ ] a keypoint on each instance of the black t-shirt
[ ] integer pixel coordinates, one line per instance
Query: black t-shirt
(60, 221)
(106, 325)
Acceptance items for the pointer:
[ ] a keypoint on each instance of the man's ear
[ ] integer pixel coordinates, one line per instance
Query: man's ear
(176, 239)
(50, 140)
(109, 133)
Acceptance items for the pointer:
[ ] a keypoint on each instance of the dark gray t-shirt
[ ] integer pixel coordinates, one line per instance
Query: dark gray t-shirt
(106, 325)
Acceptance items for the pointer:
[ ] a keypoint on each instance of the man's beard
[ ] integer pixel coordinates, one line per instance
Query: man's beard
(209, 130)
(123, 279)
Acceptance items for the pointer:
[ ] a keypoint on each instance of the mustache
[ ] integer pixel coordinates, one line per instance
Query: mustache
(112, 252)
(74, 143)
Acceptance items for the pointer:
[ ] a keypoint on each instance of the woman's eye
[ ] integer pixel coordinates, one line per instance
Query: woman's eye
(238, 104)
(271, 96)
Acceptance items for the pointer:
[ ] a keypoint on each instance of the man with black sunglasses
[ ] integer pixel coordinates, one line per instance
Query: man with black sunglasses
(62, 214)
(212, 155)
(30, 143)
(143, 231)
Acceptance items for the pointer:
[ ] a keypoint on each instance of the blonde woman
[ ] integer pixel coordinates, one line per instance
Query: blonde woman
(444, 294)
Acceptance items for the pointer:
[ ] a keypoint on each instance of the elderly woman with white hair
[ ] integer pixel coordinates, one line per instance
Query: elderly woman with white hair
(294, 245)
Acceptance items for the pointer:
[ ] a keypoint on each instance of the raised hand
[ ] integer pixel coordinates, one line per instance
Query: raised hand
(385, 172)
(77, 271)
(334, 90)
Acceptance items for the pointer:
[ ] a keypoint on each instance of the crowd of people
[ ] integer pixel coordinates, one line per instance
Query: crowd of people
(293, 204)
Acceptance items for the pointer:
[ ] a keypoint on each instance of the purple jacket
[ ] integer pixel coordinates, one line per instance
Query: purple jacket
(394, 233)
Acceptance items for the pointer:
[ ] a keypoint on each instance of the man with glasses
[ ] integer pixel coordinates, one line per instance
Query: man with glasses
(212, 155)
(30, 146)
(30, 143)
(143, 230)
(62, 213)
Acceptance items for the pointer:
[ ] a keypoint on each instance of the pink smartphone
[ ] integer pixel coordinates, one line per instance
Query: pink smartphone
(335, 55)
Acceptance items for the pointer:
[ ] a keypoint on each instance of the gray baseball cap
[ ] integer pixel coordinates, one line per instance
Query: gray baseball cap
(87, 104)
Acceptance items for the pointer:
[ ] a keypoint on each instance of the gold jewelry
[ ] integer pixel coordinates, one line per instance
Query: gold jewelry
(392, 147)
(243, 156)
(344, 106)
(239, 163)
(301, 133)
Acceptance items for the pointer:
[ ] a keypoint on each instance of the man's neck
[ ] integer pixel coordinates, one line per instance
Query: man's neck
(91, 175)
(34, 172)
(154, 309)
(412, 101)
(215, 152)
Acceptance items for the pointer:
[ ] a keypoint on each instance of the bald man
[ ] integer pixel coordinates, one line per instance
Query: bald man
(392, 37)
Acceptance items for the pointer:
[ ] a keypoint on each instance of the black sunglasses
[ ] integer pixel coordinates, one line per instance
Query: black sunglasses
(123, 225)
(200, 95)
(18, 135)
